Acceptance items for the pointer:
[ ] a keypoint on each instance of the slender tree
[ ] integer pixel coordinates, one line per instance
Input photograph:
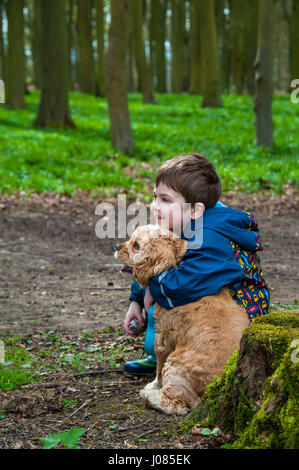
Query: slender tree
(15, 60)
(157, 43)
(250, 41)
(54, 107)
(120, 124)
(143, 69)
(100, 69)
(281, 57)
(130, 69)
(237, 43)
(86, 62)
(36, 43)
(223, 33)
(263, 74)
(210, 58)
(295, 40)
(177, 44)
(1, 42)
(70, 35)
(196, 77)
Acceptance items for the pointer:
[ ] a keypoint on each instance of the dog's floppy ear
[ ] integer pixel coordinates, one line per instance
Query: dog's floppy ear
(156, 256)
(144, 263)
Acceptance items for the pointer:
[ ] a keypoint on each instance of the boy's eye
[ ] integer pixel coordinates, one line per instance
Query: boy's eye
(136, 246)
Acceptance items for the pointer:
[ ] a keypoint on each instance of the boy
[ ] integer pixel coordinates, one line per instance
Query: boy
(227, 255)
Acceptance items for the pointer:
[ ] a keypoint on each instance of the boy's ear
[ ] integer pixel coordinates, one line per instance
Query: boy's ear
(197, 210)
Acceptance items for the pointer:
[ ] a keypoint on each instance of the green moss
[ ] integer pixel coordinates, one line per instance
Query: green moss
(285, 319)
(266, 419)
(275, 424)
(274, 338)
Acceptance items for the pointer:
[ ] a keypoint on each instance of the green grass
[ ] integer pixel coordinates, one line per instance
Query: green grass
(83, 158)
(16, 370)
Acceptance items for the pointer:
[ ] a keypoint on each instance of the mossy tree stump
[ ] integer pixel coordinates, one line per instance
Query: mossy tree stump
(256, 399)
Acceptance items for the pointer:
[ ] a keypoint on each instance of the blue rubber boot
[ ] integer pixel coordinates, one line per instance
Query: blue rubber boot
(148, 365)
(145, 366)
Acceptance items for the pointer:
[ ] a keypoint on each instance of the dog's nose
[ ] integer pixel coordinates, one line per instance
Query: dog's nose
(118, 247)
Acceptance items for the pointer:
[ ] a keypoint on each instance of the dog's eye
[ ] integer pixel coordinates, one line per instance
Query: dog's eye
(136, 246)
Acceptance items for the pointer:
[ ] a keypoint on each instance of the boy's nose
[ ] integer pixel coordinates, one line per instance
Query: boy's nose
(118, 247)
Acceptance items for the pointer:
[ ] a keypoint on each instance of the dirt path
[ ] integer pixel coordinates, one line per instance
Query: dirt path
(56, 275)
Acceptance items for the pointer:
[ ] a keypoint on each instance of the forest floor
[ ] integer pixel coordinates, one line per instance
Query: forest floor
(63, 297)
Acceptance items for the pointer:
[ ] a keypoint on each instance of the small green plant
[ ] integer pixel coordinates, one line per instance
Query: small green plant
(69, 401)
(207, 431)
(68, 439)
(14, 371)
(13, 378)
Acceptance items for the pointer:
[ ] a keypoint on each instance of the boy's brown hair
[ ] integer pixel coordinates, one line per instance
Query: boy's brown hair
(193, 176)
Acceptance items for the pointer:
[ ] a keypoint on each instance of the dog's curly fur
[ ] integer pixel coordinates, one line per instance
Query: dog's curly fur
(193, 341)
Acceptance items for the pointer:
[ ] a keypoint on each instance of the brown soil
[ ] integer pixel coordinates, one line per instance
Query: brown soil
(57, 276)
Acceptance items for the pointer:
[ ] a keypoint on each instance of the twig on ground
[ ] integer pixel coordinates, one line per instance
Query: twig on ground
(43, 385)
(147, 432)
(76, 411)
(96, 372)
(134, 427)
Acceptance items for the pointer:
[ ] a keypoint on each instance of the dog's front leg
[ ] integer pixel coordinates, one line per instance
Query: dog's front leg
(162, 352)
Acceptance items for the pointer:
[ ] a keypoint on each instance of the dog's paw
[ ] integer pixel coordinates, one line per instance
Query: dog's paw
(152, 385)
(181, 411)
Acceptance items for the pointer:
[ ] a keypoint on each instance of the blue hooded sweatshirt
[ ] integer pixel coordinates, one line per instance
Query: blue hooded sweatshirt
(225, 255)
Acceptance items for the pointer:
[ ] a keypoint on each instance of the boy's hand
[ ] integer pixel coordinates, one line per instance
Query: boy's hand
(148, 300)
(133, 313)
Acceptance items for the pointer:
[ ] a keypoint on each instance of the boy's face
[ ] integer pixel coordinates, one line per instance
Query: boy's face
(171, 210)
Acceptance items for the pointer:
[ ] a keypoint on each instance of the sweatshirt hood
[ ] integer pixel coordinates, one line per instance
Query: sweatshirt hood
(238, 226)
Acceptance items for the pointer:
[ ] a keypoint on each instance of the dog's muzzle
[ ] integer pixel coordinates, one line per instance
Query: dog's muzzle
(125, 268)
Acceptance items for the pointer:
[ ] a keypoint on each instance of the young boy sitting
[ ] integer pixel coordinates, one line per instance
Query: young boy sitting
(227, 255)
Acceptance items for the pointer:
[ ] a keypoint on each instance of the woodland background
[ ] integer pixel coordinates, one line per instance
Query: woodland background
(97, 95)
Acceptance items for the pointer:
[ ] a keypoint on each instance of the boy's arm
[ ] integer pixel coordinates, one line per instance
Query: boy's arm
(137, 293)
(202, 273)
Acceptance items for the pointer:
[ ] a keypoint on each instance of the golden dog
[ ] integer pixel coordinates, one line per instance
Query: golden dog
(193, 341)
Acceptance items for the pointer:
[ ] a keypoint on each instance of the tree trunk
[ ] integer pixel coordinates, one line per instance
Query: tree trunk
(143, 70)
(54, 107)
(223, 30)
(70, 35)
(250, 38)
(130, 66)
(86, 62)
(255, 400)
(177, 44)
(237, 44)
(15, 63)
(157, 41)
(263, 74)
(186, 48)
(195, 74)
(121, 132)
(282, 74)
(100, 75)
(210, 57)
(1, 42)
(36, 43)
(295, 40)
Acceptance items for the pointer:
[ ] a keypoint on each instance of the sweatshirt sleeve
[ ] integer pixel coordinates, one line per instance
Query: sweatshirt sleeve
(203, 272)
(137, 293)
